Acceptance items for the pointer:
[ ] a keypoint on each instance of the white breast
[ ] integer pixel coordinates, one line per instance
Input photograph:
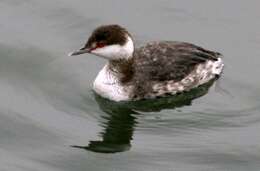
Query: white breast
(107, 85)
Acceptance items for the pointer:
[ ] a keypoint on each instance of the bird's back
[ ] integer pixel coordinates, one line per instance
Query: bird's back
(166, 63)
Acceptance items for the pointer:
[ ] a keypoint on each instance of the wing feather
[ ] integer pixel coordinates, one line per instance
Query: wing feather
(166, 61)
(162, 61)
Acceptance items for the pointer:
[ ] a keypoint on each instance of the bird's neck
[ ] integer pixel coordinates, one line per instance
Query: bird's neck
(122, 68)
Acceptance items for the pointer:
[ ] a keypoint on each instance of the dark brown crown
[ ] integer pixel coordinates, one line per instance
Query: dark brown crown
(108, 35)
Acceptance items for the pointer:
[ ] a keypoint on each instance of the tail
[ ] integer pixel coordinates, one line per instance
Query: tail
(218, 66)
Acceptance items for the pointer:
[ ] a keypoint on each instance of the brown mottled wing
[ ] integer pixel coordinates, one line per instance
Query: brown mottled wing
(164, 61)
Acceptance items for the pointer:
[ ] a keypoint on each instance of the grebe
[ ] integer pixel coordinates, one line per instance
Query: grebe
(154, 70)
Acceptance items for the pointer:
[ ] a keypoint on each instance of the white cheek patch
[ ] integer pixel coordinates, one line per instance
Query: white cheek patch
(109, 52)
(116, 51)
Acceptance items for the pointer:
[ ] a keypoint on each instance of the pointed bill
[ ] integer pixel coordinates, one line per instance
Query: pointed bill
(79, 52)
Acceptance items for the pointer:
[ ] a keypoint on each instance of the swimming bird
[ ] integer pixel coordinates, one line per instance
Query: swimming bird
(157, 69)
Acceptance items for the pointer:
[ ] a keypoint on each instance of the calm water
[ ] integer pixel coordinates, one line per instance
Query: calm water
(51, 120)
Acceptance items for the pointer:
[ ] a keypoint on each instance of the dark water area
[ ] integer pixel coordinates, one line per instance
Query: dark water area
(50, 119)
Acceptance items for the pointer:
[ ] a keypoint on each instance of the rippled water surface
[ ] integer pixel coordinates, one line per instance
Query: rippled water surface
(51, 120)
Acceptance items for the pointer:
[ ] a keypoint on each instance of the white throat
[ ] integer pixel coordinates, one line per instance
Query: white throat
(113, 52)
(107, 85)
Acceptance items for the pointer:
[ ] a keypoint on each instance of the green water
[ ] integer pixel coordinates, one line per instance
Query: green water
(50, 119)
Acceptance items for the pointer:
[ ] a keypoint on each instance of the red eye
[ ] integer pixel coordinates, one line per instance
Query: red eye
(100, 45)
(97, 45)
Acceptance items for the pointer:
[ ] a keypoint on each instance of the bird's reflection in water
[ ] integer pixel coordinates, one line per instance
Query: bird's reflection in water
(121, 118)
